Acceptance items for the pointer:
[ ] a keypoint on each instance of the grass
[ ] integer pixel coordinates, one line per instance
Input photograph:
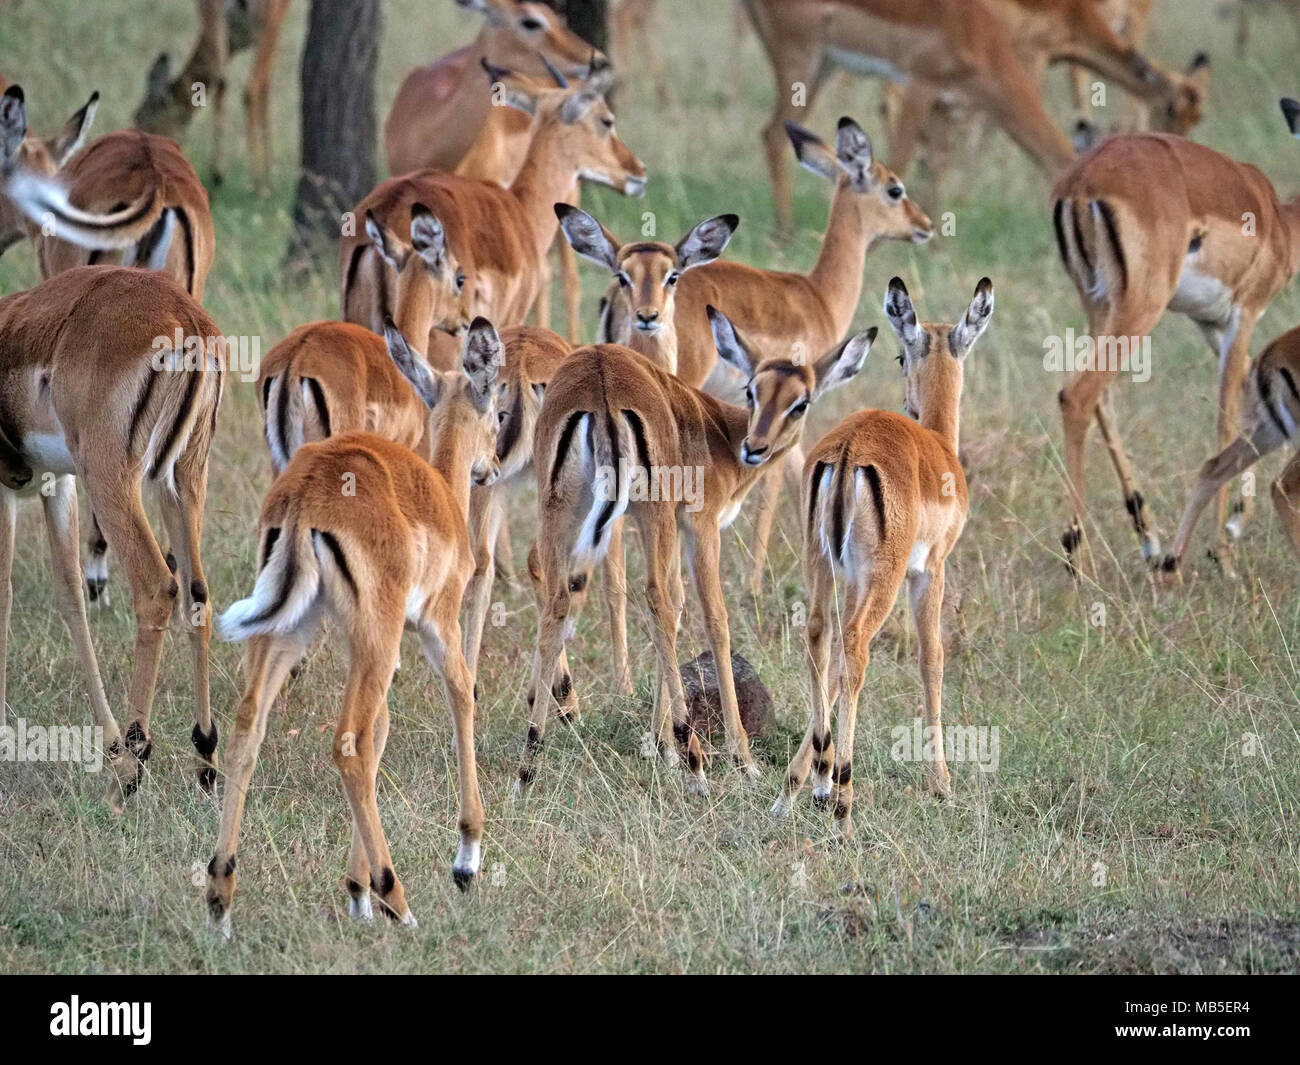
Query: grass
(1133, 823)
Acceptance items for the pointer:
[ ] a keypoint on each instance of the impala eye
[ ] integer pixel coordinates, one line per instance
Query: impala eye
(900, 359)
(460, 280)
(671, 279)
(798, 410)
(896, 192)
(608, 123)
(530, 24)
(624, 280)
(502, 416)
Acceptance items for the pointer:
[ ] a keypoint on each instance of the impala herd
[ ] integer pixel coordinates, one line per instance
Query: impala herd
(399, 436)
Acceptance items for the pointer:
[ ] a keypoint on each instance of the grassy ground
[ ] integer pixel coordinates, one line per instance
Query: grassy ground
(1143, 814)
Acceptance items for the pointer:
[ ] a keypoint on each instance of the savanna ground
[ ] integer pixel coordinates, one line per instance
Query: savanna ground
(1143, 813)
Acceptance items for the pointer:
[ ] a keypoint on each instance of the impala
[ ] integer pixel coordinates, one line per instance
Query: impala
(885, 501)
(958, 46)
(327, 378)
(86, 390)
(226, 27)
(392, 556)
(786, 314)
(1147, 223)
(1271, 418)
(611, 422)
(573, 135)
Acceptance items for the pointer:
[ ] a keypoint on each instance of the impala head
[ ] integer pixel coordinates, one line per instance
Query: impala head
(1186, 104)
(881, 196)
(431, 289)
(522, 33)
(163, 111)
(778, 392)
(462, 404)
(579, 125)
(647, 271)
(932, 356)
(42, 156)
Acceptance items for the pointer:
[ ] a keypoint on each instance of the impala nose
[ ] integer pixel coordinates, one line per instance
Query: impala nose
(753, 456)
(647, 321)
(634, 186)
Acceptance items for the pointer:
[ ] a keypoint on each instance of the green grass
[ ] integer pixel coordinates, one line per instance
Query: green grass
(1124, 747)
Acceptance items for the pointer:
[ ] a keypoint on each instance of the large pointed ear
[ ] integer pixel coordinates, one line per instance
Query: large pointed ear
(13, 125)
(508, 90)
(72, 136)
(413, 368)
(812, 152)
(589, 238)
(482, 356)
(902, 315)
(706, 241)
(974, 321)
(1291, 112)
(853, 147)
(575, 108)
(390, 247)
(730, 347)
(843, 362)
(159, 78)
(428, 237)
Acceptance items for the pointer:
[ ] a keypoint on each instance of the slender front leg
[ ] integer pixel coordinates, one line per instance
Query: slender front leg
(926, 593)
(546, 562)
(486, 506)
(258, 91)
(769, 499)
(708, 584)
(1234, 367)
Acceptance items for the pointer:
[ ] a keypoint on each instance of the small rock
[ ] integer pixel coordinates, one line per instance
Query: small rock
(704, 707)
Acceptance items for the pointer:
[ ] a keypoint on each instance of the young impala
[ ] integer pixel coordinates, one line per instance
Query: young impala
(92, 386)
(392, 554)
(619, 436)
(1147, 223)
(884, 501)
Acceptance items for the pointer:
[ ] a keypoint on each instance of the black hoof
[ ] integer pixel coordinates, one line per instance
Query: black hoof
(95, 588)
(207, 779)
(821, 803)
(463, 878)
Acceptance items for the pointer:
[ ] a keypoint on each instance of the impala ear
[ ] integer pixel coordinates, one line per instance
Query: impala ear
(843, 362)
(13, 125)
(974, 321)
(428, 237)
(588, 237)
(577, 106)
(1085, 135)
(508, 90)
(901, 314)
(482, 356)
(159, 77)
(706, 241)
(852, 145)
(812, 152)
(539, 390)
(730, 347)
(391, 249)
(425, 382)
(73, 134)
(1291, 112)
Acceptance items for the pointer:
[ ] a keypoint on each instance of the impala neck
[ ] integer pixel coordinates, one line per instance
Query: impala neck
(449, 455)
(941, 413)
(837, 274)
(544, 179)
(660, 348)
(1291, 215)
(731, 423)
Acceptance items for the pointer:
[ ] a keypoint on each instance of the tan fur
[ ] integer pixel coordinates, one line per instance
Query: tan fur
(884, 501)
(80, 396)
(225, 29)
(393, 554)
(1126, 281)
(637, 413)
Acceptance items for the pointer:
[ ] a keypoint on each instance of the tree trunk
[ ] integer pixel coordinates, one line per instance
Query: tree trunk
(339, 125)
(589, 19)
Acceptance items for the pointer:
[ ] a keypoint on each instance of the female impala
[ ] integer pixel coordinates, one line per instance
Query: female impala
(786, 313)
(393, 555)
(334, 377)
(885, 499)
(1272, 417)
(617, 435)
(1213, 242)
(86, 390)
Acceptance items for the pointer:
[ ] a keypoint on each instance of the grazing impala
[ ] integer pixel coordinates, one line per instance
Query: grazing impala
(884, 500)
(786, 313)
(327, 378)
(88, 390)
(1271, 419)
(1147, 223)
(226, 27)
(573, 135)
(617, 435)
(394, 555)
(958, 46)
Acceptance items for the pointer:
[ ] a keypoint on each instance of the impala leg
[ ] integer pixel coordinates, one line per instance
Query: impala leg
(817, 740)
(8, 524)
(503, 559)
(1286, 501)
(267, 663)
(795, 63)
(769, 500)
(441, 643)
(61, 526)
(708, 583)
(96, 564)
(868, 615)
(562, 679)
(926, 593)
(614, 579)
(1237, 457)
(1134, 501)
(661, 726)
(917, 109)
(219, 128)
(486, 507)
(553, 606)
(183, 516)
(258, 91)
(542, 302)
(1233, 369)
(572, 290)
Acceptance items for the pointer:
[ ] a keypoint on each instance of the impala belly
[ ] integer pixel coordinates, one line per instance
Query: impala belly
(1201, 296)
(866, 65)
(916, 561)
(48, 452)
